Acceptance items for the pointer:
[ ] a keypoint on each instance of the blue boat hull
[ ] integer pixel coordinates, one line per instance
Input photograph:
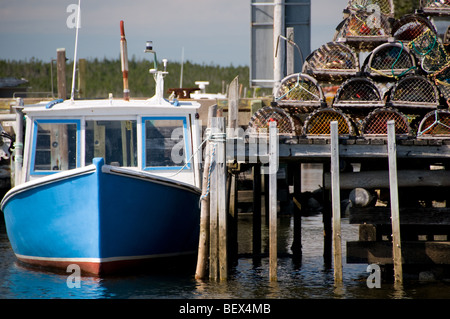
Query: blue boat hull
(103, 221)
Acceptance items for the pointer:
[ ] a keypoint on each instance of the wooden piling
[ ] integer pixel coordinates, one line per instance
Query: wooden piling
(273, 167)
(395, 216)
(295, 168)
(221, 202)
(336, 203)
(203, 245)
(61, 73)
(213, 221)
(256, 210)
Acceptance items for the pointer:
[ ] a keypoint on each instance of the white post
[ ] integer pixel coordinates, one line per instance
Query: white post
(336, 203)
(395, 215)
(279, 52)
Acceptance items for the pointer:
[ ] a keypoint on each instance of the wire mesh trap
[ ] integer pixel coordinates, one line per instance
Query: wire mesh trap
(375, 124)
(390, 60)
(435, 7)
(414, 91)
(358, 92)
(442, 80)
(435, 124)
(259, 122)
(385, 7)
(410, 26)
(363, 30)
(318, 122)
(430, 51)
(300, 90)
(333, 61)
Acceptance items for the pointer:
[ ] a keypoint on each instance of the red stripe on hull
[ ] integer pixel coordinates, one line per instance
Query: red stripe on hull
(107, 267)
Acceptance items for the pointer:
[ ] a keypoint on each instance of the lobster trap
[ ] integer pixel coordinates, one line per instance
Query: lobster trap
(363, 30)
(333, 61)
(442, 80)
(435, 124)
(390, 60)
(410, 26)
(430, 51)
(318, 123)
(300, 92)
(375, 124)
(414, 91)
(358, 92)
(435, 7)
(385, 7)
(259, 122)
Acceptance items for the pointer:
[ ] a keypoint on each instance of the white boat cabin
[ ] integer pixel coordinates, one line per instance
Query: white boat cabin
(137, 135)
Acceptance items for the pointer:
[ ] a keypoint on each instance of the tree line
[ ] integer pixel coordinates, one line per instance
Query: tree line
(104, 76)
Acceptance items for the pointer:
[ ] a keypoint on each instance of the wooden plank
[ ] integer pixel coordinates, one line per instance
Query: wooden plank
(273, 145)
(233, 106)
(408, 215)
(395, 214)
(413, 252)
(336, 203)
(380, 179)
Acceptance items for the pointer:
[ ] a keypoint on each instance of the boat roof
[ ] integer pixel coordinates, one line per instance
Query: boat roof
(109, 107)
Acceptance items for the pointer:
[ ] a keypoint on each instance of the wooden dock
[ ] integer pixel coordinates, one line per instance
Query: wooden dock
(410, 177)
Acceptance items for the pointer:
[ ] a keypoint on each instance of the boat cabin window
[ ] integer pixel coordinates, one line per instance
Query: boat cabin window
(55, 145)
(165, 143)
(114, 141)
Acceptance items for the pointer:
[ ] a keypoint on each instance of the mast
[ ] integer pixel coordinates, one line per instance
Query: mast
(124, 61)
(72, 94)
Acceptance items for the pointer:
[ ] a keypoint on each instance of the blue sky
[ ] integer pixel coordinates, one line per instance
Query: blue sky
(211, 31)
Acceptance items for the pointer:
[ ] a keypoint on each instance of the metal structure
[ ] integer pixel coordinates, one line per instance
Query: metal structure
(269, 20)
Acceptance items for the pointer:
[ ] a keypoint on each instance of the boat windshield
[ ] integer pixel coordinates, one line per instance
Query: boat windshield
(115, 141)
(55, 146)
(165, 143)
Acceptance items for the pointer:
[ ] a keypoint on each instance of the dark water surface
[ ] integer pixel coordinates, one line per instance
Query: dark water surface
(309, 279)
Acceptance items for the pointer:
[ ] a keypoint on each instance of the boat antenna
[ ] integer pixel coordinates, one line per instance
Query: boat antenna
(72, 94)
(124, 60)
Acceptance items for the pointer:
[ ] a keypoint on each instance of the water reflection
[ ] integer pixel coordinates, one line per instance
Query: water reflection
(306, 278)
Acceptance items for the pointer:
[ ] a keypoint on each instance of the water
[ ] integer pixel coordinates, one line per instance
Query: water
(248, 278)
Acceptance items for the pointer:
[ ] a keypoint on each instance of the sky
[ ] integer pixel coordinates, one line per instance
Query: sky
(208, 31)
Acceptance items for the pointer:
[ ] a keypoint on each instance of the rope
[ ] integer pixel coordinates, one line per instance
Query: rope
(297, 84)
(203, 197)
(392, 67)
(429, 48)
(436, 122)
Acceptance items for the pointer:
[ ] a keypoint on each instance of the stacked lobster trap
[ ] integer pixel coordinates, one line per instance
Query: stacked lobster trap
(405, 77)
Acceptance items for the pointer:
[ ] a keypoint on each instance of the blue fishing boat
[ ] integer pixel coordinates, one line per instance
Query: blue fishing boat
(106, 184)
